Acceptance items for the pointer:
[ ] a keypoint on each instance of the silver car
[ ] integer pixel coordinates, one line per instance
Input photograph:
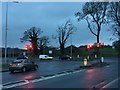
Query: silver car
(22, 65)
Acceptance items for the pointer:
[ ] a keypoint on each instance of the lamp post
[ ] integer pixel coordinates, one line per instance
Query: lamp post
(70, 41)
(71, 47)
(6, 30)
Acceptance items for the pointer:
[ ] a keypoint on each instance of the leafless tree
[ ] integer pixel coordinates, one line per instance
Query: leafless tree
(113, 15)
(43, 42)
(114, 18)
(63, 33)
(95, 15)
(32, 35)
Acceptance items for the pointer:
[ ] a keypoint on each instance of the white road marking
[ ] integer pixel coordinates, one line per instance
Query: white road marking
(26, 81)
(107, 66)
(57, 75)
(38, 80)
(15, 85)
(13, 82)
(110, 83)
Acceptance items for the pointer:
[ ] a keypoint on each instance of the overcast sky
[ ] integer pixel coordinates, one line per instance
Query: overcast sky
(47, 16)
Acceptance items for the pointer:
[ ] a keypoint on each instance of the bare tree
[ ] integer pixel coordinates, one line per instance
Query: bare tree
(113, 15)
(95, 15)
(114, 18)
(42, 43)
(63, 33)
(116, 44)
(32, 35)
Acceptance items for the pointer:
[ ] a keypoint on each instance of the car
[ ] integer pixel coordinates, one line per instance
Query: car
(45, 57)
(66, 57)
(22, 65)
(22, 57)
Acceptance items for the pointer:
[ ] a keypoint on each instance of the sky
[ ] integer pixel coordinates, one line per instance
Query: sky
(47, 16)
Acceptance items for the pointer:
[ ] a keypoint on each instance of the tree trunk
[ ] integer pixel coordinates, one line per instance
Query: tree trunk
(35, 49)
(61, 49)
(98, 54)
(98, 40)
(41, 49)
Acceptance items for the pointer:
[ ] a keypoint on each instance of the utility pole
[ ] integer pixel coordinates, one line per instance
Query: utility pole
(6, 32)
(7, 29)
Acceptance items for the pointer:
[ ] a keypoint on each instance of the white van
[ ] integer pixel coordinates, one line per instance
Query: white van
(45, 57)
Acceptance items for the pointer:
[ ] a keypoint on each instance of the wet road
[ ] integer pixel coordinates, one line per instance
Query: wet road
(45, 68)
(96, 77)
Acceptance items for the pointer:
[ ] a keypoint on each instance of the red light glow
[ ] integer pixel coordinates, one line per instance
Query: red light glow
(102, 44)
(27, 47)
(28, 77)
(89, 46)
(30, 46)
(90, 71)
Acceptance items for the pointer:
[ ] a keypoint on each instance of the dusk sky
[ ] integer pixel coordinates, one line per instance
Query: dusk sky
(47, 16)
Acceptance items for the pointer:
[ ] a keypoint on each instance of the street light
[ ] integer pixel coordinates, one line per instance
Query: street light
(69, 24)
(71, 46)
(7, 28)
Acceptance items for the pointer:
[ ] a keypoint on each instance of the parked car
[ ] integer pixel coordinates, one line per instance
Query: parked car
(66, 57)
(45, 57)
(22, 65)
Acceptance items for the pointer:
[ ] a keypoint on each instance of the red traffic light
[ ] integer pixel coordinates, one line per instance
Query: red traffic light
(28, 47)
(89, 46)
(100, 44)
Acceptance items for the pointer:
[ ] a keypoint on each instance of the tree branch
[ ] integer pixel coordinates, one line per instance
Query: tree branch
(90, 28)
(116, 11)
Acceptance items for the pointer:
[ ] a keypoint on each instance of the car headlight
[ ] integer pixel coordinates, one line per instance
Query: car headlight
(19, 64)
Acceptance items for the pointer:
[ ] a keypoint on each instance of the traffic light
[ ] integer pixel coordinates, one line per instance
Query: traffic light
(28, 47)
(100, 44)
(89, 46)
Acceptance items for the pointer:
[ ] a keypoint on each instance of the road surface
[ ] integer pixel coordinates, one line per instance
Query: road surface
(65, 74)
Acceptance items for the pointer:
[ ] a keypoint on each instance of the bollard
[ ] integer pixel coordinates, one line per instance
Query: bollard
(95, 56)
(78, 56)
(102, 59)
(88, 57)
(85, 61)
